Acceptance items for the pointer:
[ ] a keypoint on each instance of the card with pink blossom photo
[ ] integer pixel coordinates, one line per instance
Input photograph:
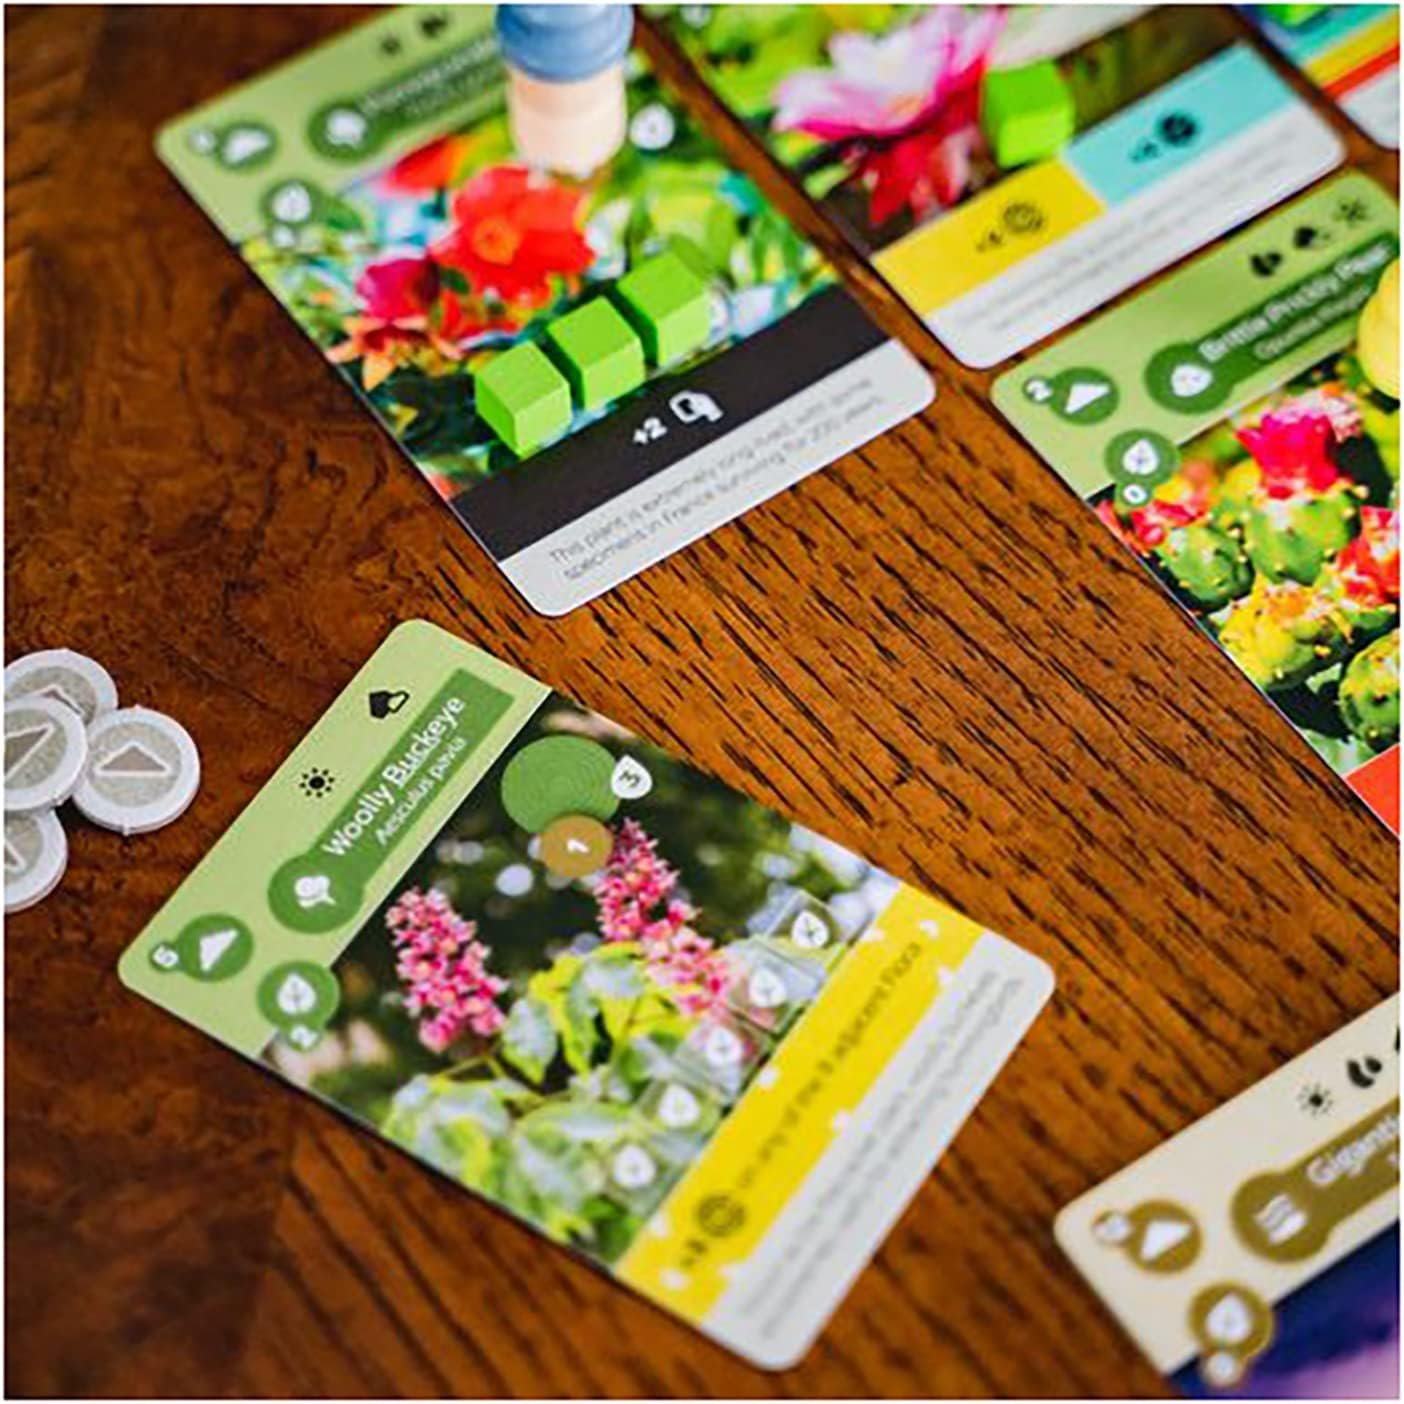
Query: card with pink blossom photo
(706, 1048)
(592, 372)
(1010, 167)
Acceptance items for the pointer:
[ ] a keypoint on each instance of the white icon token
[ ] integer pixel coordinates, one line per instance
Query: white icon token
(45, 748)
(809, 932)
(1189, 379)
(36, 853)
(633, 1168)
(766, 989)
(296, 996)
(1141, 459)
(678, 1108)
(64, 676)
(630, 780)
(291, 203)
(722, 1048)
(313, 890)
(143, 770)
(1229, 1321)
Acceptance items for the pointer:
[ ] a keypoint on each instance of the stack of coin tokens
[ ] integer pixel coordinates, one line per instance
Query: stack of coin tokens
(128, 769)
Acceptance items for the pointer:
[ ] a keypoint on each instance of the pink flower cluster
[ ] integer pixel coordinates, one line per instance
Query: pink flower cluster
(1295, 448)
(636, 903)
(444, 969)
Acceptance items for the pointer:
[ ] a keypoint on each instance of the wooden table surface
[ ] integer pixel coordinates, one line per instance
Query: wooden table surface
(932, 651)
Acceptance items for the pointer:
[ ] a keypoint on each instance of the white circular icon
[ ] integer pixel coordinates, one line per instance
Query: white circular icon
(1189, 379)
(722, 1048)
(143, 771)
(291, 203)
(296, 995)
(633, 1168)
(45, 751)
(678, 1108)
(653, 127)
(36, 854)
(64, 676)
(766, 990)
(630, 780)
(809, 932)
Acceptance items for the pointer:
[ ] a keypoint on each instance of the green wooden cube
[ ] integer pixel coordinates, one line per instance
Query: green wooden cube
(1027, 113)
(599, 351)
(669, 305)
(1293, 15)
(523, 398)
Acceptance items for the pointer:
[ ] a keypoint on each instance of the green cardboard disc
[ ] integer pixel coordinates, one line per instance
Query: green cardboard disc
(143, 770)
(557, 776)
(45, 749)
(64, 676)
(36, 854)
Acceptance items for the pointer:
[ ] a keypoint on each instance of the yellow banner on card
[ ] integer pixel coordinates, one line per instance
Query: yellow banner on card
(789, 1117)
(945, 260)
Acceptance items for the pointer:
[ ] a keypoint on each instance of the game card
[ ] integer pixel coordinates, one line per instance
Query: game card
(1124, 141)
(592, 373)
(1351, 52)
(1223, 426)
(1256, 1254)
(704, 1047)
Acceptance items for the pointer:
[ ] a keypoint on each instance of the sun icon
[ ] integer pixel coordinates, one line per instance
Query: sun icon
(317, 783)
(1315, 1099)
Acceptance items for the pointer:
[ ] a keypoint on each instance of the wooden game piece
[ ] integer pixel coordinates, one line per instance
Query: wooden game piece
(599, 351)
(72, 678)
(36, 854)
(143, 771)
(669, 305)
(45, 751)
(565, 82)
(523, 398)
(1027, 113)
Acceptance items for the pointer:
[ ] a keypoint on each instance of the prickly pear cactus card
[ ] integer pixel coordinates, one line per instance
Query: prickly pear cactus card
(1009, 168)
(591, 372)
(702, 1046)
(1225, 429)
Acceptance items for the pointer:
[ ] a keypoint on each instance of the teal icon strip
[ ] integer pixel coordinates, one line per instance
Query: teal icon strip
(1175, 127)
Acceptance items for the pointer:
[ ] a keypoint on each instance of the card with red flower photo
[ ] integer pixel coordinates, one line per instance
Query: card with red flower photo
(1009, 168)
(706, 1048)
(593, 372)
(1227, 428)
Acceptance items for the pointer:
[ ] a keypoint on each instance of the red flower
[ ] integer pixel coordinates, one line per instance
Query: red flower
(432, 167)
(925, 171)
(398, 288)
(1369, 565)
(407, 313)
(515, 232)
(1294, 450)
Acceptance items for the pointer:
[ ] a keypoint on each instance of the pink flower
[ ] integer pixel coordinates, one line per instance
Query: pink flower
(1294, 448)
(444, 969)
(636, 903)
(886, 85)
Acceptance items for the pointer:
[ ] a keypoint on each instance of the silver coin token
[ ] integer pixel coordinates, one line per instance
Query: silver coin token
(143, 770)
(36, 854)
(64, 676)
(45, 750)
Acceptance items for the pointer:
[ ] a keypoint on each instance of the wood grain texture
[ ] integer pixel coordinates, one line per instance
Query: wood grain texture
(931, 651)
